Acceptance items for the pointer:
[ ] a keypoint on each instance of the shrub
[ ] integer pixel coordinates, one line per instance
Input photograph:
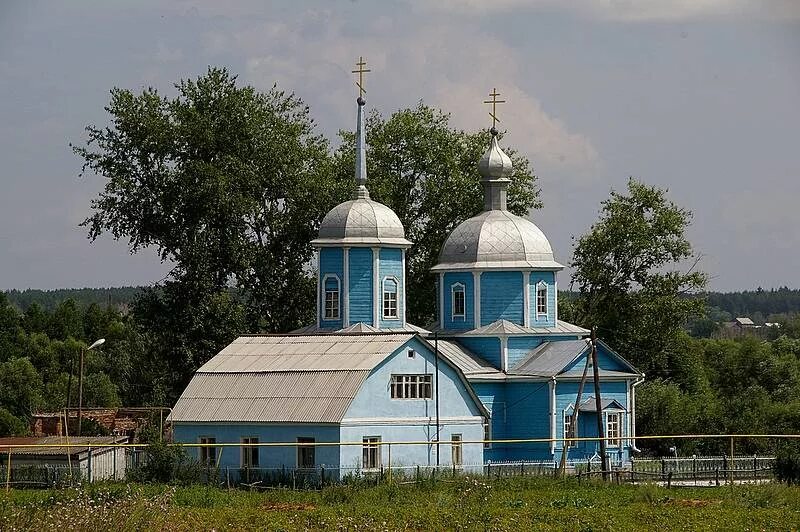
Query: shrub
(787, 463)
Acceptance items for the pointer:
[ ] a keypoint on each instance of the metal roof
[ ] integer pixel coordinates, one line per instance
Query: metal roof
(550, 358)
(590, 405)
(468, 362)
(497, 239)
(361, 221)
(505, 327)
(328, 352)
(360, 327)
(282, 396)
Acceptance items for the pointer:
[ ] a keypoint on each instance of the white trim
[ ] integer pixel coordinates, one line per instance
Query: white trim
(345, 305)
(628, 418)
(632, 410)
(403, 285)
(552, 386)
(338, 294)
(453, 287)
(441, 300)
(539, 285)
(503, 352)
(377, 291)
(455, 420)
(320, 310)
(526, 299)
(397, 295)
(476, 305)
(555, 299)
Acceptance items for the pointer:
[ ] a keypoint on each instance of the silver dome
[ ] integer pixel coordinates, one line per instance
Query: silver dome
(361, 222)
(496, 239)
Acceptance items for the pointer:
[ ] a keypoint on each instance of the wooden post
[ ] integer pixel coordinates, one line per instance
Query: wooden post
(80, 394)
(88, 463)
(8, 471)
(390, 462)
(669, 480)
(601, 432)
(562, 466)
(733, 463)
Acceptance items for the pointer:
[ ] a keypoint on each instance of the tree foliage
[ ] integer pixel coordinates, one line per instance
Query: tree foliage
(631, 274)
(426, 171)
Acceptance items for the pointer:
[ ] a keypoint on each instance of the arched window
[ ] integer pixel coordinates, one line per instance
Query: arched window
(458, 301)
(331, 287)
(390, 298)
(541, 299)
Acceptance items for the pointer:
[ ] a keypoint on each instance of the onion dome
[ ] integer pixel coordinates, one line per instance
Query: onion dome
(496, 238)
(361, 221)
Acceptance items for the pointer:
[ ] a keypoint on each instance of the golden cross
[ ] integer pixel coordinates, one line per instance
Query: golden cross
(494, 101)
(361, 70)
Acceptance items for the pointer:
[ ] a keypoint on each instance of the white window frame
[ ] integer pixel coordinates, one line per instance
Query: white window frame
(568, 418)
(304, 448)
(385, 299)
(616, 439)
(208, 455)
(338, 292)
(539, 286)
(369, 445)
(460, 288)
(411, 387)
(246, 456)
(487, 433)
(456, 450)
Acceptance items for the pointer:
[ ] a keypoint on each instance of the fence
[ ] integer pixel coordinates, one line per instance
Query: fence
(696, 470)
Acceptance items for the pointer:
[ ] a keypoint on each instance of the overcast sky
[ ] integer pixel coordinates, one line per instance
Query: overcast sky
(698, 96)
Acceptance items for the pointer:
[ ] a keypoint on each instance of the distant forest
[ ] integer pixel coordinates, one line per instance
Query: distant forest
(758, 304)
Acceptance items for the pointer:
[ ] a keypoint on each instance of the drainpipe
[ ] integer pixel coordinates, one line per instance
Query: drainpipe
(633, 412)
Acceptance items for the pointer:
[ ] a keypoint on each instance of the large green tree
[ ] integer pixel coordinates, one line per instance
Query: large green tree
(426, 171)
(635, 273)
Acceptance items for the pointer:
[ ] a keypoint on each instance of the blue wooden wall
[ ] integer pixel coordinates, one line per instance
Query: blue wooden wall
(331, 261)
(488, 348)
(468, 321)
(501, 297)
(549, 278)
(361, 282)
(391, 265)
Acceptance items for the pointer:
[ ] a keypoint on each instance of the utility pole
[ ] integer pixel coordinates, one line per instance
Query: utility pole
(562, 467)
(80, 392)
(599, 404)
(436, 351)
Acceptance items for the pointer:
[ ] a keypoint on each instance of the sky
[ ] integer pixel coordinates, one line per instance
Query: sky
(700, 97)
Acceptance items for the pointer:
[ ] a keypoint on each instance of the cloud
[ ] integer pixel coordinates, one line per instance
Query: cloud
(626, 10)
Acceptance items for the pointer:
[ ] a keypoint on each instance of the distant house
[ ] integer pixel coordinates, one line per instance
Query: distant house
(117, 421)
(744, 323)
(90, 457)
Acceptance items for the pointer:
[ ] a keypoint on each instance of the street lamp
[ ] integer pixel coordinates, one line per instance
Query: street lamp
(99, 342)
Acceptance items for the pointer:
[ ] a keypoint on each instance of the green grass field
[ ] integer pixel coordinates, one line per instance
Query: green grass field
(462, 504)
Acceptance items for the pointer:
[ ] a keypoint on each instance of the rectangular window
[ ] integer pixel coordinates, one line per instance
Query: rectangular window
(390, 299)
(306, 454)
(569, 429)
(208, 453)
(249, 454)
(371, 452)
(459, 302)
(331, 298)
(613, 428)
(412, 387)
(541, 299)
(456, 451)
(487, 435)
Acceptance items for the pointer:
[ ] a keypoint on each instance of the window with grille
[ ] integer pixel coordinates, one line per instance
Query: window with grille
(569, 429)
(459, 301)
(306, 454)
(541, 299)
(456, 450)
(371, 452)
(390, 299)
(208, 453)
(249, 454)
(412, 386)
(613, 428)
(331, 298)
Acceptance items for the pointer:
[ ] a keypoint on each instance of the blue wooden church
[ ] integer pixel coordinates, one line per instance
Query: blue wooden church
(498, 365)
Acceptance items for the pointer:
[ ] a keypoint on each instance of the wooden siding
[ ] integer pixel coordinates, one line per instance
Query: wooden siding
(468, 321)
(331, 262)
(360, 290)
(501, 297)
(519, 346)
(605, 360)
(488, 348)
(550, 279)
(391, 265)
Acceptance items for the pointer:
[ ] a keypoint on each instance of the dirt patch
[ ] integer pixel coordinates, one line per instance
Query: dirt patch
(288, 507)
(695, 503)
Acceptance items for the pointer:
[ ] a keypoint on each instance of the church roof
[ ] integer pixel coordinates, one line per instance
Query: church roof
(552, 358)
(361, 222)
(501, 327)
(590, 405)
(361, 327)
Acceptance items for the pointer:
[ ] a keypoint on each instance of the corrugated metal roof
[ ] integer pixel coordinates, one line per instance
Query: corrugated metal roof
(77, 445)
(506, 327)
(274, 396)
(549, 358)
(464, 359)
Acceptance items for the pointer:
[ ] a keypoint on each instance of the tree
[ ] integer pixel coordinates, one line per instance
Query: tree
(427, 172)
(11, 425)
(629, 272)
(20, 387)
(226, 183)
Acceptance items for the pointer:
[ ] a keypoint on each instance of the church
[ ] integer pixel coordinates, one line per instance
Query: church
(351, 388)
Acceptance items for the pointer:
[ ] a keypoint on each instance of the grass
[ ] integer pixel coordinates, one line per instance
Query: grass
(463, 504)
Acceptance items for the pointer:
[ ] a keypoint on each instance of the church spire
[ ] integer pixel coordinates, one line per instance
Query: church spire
(495, 166)
(361, 150)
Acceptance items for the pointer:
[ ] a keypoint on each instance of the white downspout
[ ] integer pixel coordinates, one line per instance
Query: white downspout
(633, 413)
(552, 415)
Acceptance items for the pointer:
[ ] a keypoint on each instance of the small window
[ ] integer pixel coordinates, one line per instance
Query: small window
(541, 299)
(331, 283)
(371, 452)
(306, 454)
(613, 429)
(412, 387)
(390, 299)
(249, 452)
(569, 429)
(208, 453)
(411, 353)
(459, 301)
(487, 435)
(456, 450)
